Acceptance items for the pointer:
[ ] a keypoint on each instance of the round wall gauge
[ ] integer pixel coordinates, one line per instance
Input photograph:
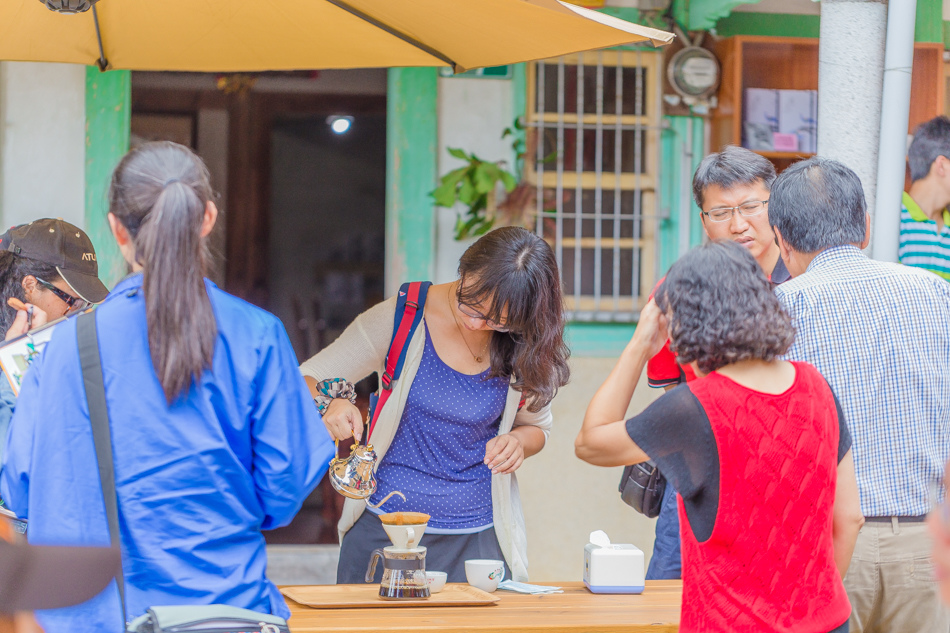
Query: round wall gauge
(694, 73)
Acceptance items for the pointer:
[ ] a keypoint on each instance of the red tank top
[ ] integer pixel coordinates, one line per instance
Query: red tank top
(769, 562)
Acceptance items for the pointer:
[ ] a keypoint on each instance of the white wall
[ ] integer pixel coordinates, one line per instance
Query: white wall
(42, 142)
(565, 499)
(473, 113)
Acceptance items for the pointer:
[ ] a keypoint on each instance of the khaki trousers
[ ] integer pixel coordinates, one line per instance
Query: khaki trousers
(891, 582)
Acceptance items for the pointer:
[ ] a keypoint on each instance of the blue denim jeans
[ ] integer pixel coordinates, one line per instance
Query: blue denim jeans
(665, 564)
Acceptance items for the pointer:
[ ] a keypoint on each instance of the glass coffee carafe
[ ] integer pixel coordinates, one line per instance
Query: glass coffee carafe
(404, 562)
(404, 573)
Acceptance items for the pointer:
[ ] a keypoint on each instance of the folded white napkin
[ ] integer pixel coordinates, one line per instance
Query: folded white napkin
(523, 587)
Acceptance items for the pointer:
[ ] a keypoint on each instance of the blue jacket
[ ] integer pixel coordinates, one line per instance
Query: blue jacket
(197, 481)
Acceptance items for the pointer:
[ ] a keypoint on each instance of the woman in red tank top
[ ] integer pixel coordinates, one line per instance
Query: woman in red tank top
(757, 449)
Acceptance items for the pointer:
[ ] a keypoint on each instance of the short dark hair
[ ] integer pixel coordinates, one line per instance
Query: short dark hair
(13, 268)
(931, 139)
(817, 204)
(731, 167)
(722, 309)
(513, 273)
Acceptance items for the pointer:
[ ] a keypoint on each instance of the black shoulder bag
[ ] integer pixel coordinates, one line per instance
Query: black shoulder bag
(642, 487)
(210, 618)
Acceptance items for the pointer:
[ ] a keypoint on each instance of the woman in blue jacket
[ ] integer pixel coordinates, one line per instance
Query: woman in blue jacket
(214, 434)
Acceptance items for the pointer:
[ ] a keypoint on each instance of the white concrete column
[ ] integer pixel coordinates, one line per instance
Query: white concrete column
(895, 113)
(850, 77)
(42, 142)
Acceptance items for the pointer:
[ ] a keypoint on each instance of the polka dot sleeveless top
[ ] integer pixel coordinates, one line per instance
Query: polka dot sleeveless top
(436, 457)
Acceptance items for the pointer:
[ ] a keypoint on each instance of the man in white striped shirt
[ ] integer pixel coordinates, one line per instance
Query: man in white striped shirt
(879, 334)
(925, 221)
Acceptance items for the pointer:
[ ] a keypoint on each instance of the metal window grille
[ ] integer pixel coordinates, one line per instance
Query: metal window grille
(595, 124)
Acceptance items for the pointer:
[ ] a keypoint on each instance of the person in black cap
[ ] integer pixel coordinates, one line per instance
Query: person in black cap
(33, 578)
(49, 265)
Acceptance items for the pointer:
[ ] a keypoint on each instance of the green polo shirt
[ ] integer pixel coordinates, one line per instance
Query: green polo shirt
(920, 243)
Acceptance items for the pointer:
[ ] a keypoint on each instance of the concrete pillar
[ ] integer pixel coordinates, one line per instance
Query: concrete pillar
(107, 126)
(411, 164)
(42, 142)
(850, 76)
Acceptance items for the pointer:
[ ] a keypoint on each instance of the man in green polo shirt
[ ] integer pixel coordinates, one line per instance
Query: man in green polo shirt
(925, 221)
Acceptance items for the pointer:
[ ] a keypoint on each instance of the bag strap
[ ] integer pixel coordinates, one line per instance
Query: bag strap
(91, 363)
(409, 310)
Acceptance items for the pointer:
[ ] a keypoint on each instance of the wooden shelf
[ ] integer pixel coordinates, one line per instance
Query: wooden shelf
(784, 155)
(791, 63)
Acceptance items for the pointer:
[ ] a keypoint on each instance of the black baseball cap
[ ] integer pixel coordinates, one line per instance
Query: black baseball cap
(63, 245)
(40, 577)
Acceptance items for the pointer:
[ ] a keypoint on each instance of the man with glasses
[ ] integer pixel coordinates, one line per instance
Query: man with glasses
(732, 189)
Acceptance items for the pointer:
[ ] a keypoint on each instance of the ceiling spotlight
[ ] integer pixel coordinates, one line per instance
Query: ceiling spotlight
(340, 124)
(69, 6)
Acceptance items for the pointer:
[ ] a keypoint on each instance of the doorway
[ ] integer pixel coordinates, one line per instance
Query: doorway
(302, 197)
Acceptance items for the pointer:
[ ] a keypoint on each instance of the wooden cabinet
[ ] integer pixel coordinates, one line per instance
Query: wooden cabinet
(791, 63)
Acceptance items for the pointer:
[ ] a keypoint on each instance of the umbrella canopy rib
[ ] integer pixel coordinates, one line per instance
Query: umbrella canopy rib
(387, 28)
(103, 62)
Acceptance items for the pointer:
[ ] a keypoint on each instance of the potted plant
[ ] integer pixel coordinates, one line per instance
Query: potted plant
(489, 191)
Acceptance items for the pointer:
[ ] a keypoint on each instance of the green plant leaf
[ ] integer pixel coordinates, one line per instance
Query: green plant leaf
(519, 123)
(456, 152)
(467, 193)
(485, 178)
(549, 158)
(444, 195)
(509, 181)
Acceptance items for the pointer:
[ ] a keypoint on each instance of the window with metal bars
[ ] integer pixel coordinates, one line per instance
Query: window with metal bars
(593, 124)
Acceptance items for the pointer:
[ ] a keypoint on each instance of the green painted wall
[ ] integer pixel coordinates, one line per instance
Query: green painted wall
(771, 24)
(108, 120)
(598, 340)
(930, 26)
(680, 155)
(411, 173)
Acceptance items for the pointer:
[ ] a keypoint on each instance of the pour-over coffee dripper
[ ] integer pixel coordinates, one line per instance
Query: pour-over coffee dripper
(404, 568)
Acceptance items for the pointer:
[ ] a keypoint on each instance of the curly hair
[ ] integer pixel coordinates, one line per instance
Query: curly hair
(514, 273)
(722, 309)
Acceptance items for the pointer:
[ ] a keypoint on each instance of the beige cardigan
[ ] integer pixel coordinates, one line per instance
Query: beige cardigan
(360, 351)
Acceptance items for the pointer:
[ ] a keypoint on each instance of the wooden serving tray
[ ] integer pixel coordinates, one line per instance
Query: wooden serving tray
(367, 596)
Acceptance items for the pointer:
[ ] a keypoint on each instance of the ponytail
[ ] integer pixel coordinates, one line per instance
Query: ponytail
(159, 193)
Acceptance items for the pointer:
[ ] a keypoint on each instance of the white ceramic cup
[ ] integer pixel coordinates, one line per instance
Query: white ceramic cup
(405, 536)
(436, 580)
(484, 574)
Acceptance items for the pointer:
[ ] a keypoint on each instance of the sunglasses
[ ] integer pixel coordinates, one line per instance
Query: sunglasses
(74, 303)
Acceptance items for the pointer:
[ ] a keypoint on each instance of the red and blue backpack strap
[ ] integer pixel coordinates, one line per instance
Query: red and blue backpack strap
(409, 310)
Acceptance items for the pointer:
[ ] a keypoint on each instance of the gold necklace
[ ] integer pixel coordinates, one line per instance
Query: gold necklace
(448, 298)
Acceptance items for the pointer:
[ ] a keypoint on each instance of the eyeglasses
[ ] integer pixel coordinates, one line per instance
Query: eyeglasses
(746, 210)
(469, 312)
(74, 303)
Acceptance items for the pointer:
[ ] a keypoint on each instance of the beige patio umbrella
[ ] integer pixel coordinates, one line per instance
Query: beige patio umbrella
(257, 35)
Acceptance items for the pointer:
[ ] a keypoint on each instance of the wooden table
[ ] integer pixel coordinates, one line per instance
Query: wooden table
(576, 610)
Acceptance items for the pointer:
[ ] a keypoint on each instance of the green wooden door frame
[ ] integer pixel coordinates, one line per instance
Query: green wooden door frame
(108, 121)
(411, 173)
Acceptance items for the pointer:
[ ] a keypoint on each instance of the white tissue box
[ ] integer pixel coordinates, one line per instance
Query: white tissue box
(613, 568)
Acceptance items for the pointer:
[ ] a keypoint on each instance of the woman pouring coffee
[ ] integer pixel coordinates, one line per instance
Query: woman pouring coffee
(472, 403)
